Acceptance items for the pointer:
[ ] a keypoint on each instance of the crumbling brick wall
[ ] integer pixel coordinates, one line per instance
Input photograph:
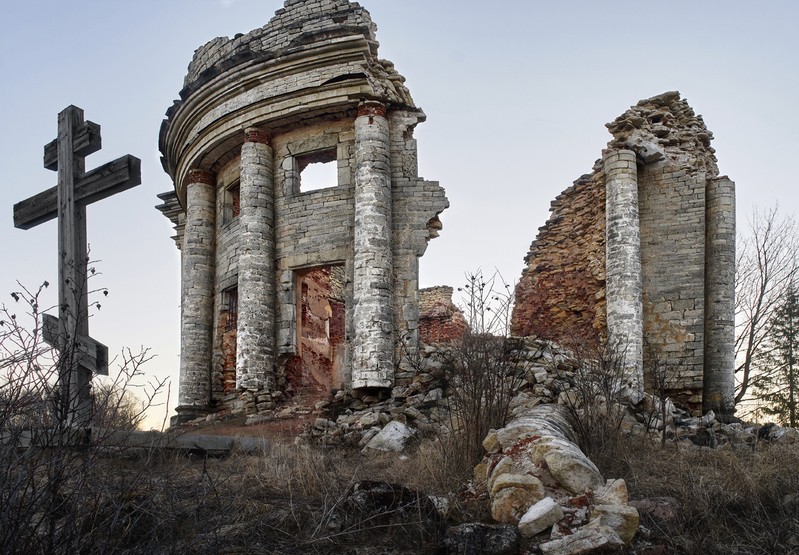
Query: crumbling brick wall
(561, 294)
(440, 321)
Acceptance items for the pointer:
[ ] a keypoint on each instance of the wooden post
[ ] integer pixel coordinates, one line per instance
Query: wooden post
(80, 355)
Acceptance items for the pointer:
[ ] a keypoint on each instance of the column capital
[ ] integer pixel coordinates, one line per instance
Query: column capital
(372, 108)
(201, 176)
(257, 135)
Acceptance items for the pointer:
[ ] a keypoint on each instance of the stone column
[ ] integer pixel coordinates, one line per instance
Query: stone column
(255, 336)
(197, 296)
(372, 360)
(623, 261)
(719, 377)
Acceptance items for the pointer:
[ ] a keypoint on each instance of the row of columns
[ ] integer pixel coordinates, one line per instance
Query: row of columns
(372, 344)
(624, 288)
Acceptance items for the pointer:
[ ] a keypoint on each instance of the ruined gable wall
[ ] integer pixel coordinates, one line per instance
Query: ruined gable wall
(416, 206)
(560, 295)
(675, 163)
(440, 320)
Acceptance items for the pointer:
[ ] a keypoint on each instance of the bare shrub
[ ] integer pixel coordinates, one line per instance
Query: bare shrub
(595, 404)
(486, 367)
(58, 494)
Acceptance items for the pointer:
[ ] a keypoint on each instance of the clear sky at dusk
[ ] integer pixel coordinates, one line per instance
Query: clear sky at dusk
(516, 93)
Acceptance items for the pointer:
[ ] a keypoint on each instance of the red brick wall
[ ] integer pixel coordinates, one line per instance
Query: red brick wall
(560, 295)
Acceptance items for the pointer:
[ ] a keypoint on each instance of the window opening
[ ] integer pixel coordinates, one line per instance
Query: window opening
(230, 302)
(232, 199)
(317, 170)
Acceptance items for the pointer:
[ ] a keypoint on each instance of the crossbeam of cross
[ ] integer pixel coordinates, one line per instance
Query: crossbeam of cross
(80, 355)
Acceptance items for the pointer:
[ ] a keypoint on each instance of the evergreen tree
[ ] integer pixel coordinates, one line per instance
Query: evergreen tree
(777, 381)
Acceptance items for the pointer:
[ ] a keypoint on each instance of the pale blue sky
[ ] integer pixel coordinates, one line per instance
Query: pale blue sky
(516, 92)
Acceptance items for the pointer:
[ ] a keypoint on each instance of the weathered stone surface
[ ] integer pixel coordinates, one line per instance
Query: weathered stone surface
(509, 504)
(622, 518)
(540, 517)
(573, 470)
(585, 541)
(522, 481)
(614, 492)
(393, 437)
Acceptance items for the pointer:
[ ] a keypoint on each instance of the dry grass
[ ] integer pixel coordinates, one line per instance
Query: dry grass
(297, 499)
(728, 501)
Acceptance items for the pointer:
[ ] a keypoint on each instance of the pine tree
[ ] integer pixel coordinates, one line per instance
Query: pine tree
(777, 381)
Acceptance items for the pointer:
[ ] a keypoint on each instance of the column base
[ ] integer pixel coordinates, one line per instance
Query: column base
(186, 413)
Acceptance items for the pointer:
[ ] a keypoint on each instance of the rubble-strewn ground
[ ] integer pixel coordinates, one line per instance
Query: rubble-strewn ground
(316, 485)
(299, 499)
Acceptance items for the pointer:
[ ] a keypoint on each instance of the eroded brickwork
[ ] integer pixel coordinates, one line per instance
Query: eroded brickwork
(440, 321)
(561, 293)
(684, 219)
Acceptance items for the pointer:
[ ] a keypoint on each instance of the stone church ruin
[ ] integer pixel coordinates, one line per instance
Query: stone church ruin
(641, 253)
(288, 288)
(295, 287)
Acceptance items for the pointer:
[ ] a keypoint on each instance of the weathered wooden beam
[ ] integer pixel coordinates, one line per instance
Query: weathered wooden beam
(89, 353)
(87, 140)
(121, 174)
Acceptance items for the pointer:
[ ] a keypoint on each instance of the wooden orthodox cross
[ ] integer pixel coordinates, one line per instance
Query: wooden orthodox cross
(79, 354)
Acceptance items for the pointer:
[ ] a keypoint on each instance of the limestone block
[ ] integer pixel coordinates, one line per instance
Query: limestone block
(583, 542)
(393, 437)
(573, 470)
(614, 492)
(621, 518)
(509, 504)
(479, 473)
(539, 517)
(369, 419)
(523, 481)
(491, 443)
(504, 466)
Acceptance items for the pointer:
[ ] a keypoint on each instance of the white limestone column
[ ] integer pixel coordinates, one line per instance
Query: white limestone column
(197, 295)
(719, 371)
(623, 289)
(255, 336)
(373, 364)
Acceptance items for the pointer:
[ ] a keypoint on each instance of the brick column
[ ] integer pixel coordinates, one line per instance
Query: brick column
(197, 296)
(623, 261)
(372, 360)
(255, 338)
(719, 377)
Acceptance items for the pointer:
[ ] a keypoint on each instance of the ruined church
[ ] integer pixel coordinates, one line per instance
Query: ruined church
(288, 288)
(285, 288)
